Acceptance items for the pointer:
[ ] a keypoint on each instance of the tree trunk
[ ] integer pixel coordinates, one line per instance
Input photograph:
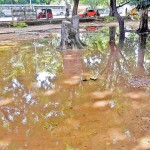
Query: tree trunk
(75, 8)
(143, 22)
(112, 33)
(114, 12)
(70, 34)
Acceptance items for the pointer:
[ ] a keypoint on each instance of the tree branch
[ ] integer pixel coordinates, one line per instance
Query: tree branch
(123, 4)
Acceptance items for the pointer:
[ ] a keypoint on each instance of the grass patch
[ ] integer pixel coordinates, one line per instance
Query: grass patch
(19, 24)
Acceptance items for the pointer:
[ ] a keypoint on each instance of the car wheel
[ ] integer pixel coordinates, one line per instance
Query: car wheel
(61, 13)
(2, 15)
(84, 16)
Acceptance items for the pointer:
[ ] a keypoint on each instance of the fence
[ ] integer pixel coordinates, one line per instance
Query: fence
(23, 14)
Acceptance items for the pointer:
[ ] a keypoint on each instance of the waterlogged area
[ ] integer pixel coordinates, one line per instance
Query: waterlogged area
(92, 99)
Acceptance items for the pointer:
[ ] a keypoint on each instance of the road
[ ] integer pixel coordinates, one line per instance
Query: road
(5, 19)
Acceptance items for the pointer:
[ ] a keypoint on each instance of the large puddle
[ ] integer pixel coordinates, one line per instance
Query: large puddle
(94, 99)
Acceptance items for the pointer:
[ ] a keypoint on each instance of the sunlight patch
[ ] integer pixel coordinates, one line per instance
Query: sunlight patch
(5, 102)
(144, 144)
(4, 144)
(72, 81)
(100, 104)
(101, 95)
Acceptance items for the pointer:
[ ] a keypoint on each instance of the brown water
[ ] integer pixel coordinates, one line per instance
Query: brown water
(85, 100)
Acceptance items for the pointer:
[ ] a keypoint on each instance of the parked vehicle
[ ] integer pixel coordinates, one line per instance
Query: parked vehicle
(88, 13)
(102, 12)
(43, 13)
(2, 14)
(6, 13)
(133, 12)
(56, 9)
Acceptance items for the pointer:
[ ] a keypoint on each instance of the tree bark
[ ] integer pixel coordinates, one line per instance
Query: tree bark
(143, 27)
(70, 38)
(114, 12)
(75, 7)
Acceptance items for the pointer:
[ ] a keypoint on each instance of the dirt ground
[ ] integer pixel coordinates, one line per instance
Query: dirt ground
(32, 32)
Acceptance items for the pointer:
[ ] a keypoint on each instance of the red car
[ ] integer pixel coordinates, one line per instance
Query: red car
(42, 14)
(88, 13)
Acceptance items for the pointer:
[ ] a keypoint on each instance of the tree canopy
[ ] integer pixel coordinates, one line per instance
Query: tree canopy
(141, 4)
(27, 1)
(93, 3)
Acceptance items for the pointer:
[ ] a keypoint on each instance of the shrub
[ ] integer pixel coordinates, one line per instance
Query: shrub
(14, 24)
(19, 25)
(109, 18)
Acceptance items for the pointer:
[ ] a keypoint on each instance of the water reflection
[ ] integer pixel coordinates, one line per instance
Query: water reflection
(72, 62)
(123, 61)
(43, 90)
(26, 72)
(141, 50)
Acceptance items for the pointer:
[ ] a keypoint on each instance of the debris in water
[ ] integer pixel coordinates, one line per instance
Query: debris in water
(128, 133)
(112, 104)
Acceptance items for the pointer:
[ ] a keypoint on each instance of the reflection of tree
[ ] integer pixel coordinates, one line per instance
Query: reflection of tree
(73, 70)
(19, 74)
(141, 52)
(72, 62)
(115, 62)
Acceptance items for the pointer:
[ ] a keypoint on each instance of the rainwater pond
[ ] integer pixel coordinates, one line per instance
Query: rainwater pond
(92, 99)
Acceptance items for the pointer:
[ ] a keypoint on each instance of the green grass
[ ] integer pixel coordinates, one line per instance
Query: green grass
(19, 24)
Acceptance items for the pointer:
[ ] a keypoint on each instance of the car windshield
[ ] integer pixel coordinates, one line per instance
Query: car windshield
(90, 10)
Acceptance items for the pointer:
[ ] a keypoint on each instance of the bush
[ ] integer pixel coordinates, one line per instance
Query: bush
(14, 24)
(19, 25)
(109, 18)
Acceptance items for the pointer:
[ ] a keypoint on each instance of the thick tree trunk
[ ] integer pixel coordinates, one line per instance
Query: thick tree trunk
(70, 34)
(75, 7)
(143, 22)
(112, 11)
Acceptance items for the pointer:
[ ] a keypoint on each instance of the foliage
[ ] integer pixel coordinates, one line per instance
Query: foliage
(97, 42)
(141, 4)
(14, 24)
(110, 18)
(93, 3)
(27, 1)
(19, 25)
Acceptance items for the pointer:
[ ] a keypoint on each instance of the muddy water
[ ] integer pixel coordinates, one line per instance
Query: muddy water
(94, 99)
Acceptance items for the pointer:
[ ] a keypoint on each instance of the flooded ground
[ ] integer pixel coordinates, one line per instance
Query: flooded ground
(92, 99)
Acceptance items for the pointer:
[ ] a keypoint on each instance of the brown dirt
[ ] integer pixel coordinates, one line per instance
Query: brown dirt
(32, 32)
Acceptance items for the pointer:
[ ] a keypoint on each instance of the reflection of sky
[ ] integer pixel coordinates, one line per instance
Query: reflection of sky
(24, 109)
(24, 101)
(15, 85)
(29, 99)
(92, 61)
(38, 44)
(22, 92)
(53, 113)
(44, 79)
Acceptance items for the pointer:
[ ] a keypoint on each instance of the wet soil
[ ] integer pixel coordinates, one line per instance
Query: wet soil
(32, 32)
(46, 103)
